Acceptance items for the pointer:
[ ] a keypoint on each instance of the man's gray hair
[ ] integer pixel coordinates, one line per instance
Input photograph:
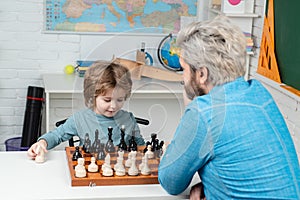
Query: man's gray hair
(217, 45)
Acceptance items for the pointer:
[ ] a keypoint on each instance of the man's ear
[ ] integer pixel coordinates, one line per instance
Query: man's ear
(202, 75)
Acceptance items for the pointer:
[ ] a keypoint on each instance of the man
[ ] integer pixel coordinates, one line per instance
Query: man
(232, 133)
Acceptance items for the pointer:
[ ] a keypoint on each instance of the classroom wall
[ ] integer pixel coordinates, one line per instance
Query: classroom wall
(288, 103)
(26, 53)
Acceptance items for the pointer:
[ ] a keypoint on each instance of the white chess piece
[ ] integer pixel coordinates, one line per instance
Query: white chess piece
(120, 158)
(149, 153)
(143, 162)
(145, 168)
(119, 167)
(93, 167)
(106, 168)
(164, 148)
(128, 161)
(40, 157)
(133, 170)
(80, 168)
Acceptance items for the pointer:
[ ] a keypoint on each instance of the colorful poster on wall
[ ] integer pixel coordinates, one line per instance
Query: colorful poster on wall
(115, 16)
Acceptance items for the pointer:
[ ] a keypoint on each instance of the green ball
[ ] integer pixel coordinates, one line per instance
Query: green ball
(69, 69)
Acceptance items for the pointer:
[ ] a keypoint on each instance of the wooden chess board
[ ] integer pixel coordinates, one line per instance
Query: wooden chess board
(97, 179)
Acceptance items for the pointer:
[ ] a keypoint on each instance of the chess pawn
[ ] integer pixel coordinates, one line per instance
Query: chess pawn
(101, 153)
(80, 168)
(122, 144)
(128, 161)
(93, 167)
(76, 154)
(87, 144)
(110, 148)
(133, 170)
(145, 168)
(149, 153)
(143, 163)
(40, 157)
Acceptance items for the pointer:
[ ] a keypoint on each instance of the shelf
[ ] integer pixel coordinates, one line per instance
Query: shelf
(238, 15)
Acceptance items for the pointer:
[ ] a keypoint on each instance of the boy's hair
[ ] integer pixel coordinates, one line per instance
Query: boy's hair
(102, 76)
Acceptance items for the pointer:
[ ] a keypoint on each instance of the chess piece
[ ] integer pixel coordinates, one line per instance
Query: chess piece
(143, 163)
(133, 170)
(93, 167)
(76, 154)
(122, 144)
(132, 144)
(146, 146)
(87, 144)
(119, 167)
(101, 152)
(149, 152)
(96, 142)
(110, 148)
(154, 142)
(145, 168)
(80, 168)
(160, 149)
(106, 168)
(40, 157)
(128, 161)
(164, 148)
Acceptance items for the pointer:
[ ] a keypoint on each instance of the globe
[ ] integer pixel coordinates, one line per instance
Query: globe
(168, 53)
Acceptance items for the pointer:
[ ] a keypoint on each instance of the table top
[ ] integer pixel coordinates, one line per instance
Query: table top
(22, 178)
(61, 83)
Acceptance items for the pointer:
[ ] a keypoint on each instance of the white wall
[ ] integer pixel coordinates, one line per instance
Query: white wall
(288, 103)
(26, 53)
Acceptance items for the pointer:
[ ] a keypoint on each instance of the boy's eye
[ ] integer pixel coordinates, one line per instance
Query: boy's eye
(107, 100)
(120, 100)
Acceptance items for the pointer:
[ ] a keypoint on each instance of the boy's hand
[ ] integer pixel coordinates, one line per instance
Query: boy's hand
(34, 150)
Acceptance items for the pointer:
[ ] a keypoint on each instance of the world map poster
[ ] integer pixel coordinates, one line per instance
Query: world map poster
(115, 16)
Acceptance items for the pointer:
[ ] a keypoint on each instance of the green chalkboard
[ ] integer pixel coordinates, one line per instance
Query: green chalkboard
(287, 40)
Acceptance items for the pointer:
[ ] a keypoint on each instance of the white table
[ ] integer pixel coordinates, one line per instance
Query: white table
(147, 90)
(22, 178)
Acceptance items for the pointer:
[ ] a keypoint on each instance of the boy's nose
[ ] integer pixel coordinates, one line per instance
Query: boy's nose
(113, 104)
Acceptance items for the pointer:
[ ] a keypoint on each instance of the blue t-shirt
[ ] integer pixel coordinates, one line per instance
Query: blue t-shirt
(236, 139)
(87, 121)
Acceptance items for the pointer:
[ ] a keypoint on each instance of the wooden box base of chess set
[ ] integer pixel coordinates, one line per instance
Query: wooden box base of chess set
(97, 178)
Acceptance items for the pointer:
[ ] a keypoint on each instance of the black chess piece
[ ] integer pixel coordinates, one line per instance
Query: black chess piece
(132, 143)
(101, 153)
(87, 144)
(76, 154)
(109, 147)
(96, 142)
(146, 147)
(122, 144)
(153, 142)
(160, 150)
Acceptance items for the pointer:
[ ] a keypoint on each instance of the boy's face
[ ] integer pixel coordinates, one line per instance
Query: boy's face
(110, 103)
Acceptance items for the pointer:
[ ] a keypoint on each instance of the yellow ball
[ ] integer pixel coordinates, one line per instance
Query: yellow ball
(69, 69)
